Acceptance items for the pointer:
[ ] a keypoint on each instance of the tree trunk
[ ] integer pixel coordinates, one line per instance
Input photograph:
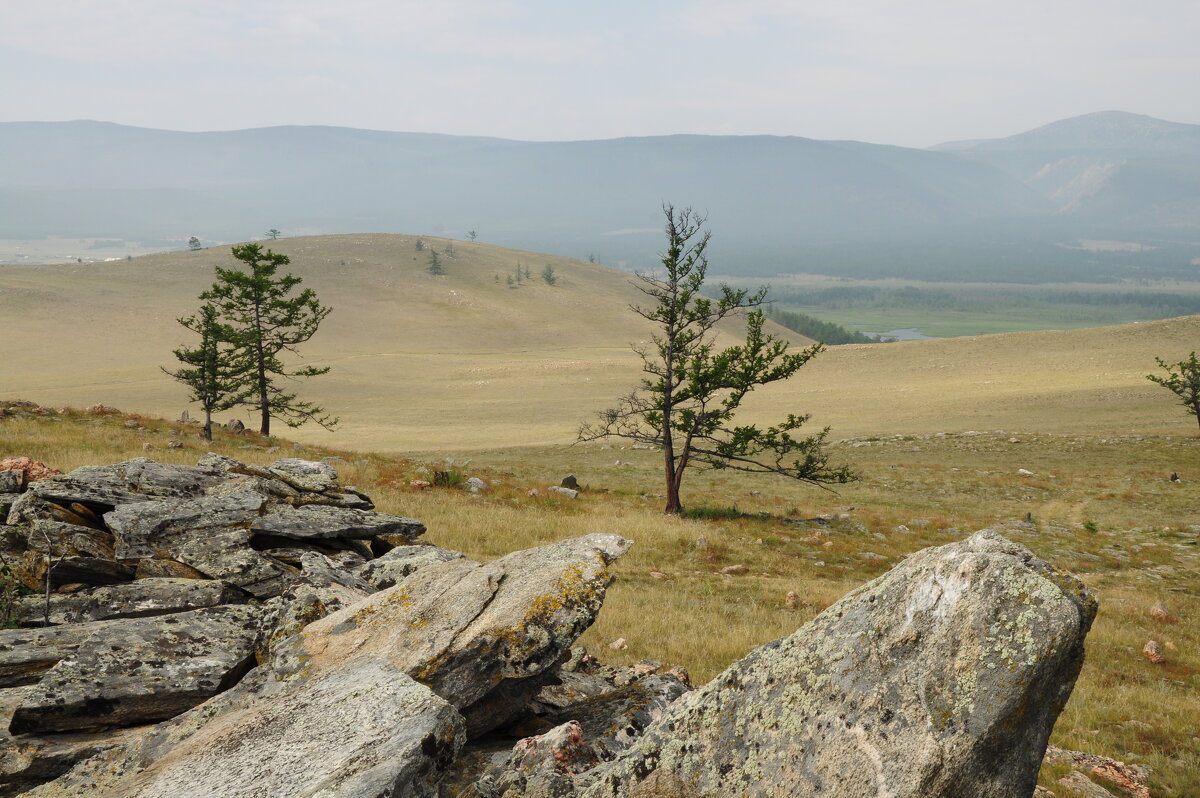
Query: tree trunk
(673, 505)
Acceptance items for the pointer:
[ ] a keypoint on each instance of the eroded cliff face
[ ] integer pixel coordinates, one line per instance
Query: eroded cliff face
(232, 630)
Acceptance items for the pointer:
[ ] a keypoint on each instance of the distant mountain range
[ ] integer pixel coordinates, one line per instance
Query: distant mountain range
(1014, 208)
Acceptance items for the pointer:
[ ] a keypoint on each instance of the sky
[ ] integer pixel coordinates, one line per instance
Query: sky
(911, 73)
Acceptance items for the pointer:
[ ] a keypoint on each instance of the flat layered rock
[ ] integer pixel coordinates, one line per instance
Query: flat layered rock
(226, 554)
(942, 677)
(135, 480)
(144, 597)
(142, 670)
(319, 522)
(27, 654)
(63, 540)
(157, 528)
(462, 627)
(365, 730)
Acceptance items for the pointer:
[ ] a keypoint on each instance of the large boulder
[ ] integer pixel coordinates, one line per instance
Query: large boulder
(142, 670)
(942, 677)
(463, 627)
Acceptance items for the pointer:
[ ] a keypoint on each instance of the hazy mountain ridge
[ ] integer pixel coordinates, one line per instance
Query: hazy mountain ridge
(1109, 167)
(776, 204)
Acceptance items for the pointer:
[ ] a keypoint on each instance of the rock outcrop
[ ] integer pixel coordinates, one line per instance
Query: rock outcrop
(230, 630)
(942, 677)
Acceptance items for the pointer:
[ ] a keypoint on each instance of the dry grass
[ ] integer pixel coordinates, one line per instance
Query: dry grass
(1101, 506)
(464, 362)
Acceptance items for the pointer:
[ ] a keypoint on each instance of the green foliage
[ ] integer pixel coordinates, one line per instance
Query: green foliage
(706, 513)
(1183, 380)
(259, 320)
(10, 590)
(435, 264)
(548, 275)
(193, 243)
(687, 402)
(826, 332)
(212, 370)
(420, 245)
(273, 234)
(471, 234)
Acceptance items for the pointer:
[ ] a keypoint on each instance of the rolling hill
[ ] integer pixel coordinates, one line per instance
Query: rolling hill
(465, 362)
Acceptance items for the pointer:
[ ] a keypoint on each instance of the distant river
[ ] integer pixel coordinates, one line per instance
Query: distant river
(903, 335)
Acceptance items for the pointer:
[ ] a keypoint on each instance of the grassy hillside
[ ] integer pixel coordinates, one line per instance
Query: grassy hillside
(1099, 505)
(464, 362)
(459, 361)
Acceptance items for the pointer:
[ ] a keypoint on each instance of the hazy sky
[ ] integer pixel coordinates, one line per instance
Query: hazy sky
(913, 72)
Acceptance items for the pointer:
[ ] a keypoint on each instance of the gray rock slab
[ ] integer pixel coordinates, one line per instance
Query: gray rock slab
(142, 670)
(26, 654)
(402, 561)
(157, 528)
(141, 479)
(310, 475)
(317, 522)
(362, 731)
(941, 677)
(226, 554)
(463, 627)
(145, 597)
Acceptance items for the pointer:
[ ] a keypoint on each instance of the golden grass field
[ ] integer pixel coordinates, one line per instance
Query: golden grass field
(461, 367)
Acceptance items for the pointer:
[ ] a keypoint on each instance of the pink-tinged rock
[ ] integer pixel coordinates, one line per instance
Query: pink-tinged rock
(30, 470)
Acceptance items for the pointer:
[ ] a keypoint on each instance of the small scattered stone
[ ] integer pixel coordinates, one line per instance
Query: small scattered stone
(1153, 652)
(533, 493)
(1160, 613)
(657, 575)
(565, 492)
(791, 600)
(148, 447)
(174, 443)
(475, 484)
(420, 484)
(620, 644)
(1025, 472)
(701, 543)
(569, 481)
(735, 570)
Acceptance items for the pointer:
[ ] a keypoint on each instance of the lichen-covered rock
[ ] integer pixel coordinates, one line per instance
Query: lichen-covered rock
(26, 654)
(321, 589)
(462, 627)
(363, 730)
(157, 528)
(308, 475)
(27, 761)
(318, 522)
(140, 479)
(227, 554)
(942, 677)
(20, 471)
(388, 569)
(130, 600)
(141, 670)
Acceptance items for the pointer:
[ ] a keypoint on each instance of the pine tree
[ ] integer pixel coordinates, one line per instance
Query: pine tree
(211, 369)
(548, 275)
(687, 402)
(435, 263)
(260, 320)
